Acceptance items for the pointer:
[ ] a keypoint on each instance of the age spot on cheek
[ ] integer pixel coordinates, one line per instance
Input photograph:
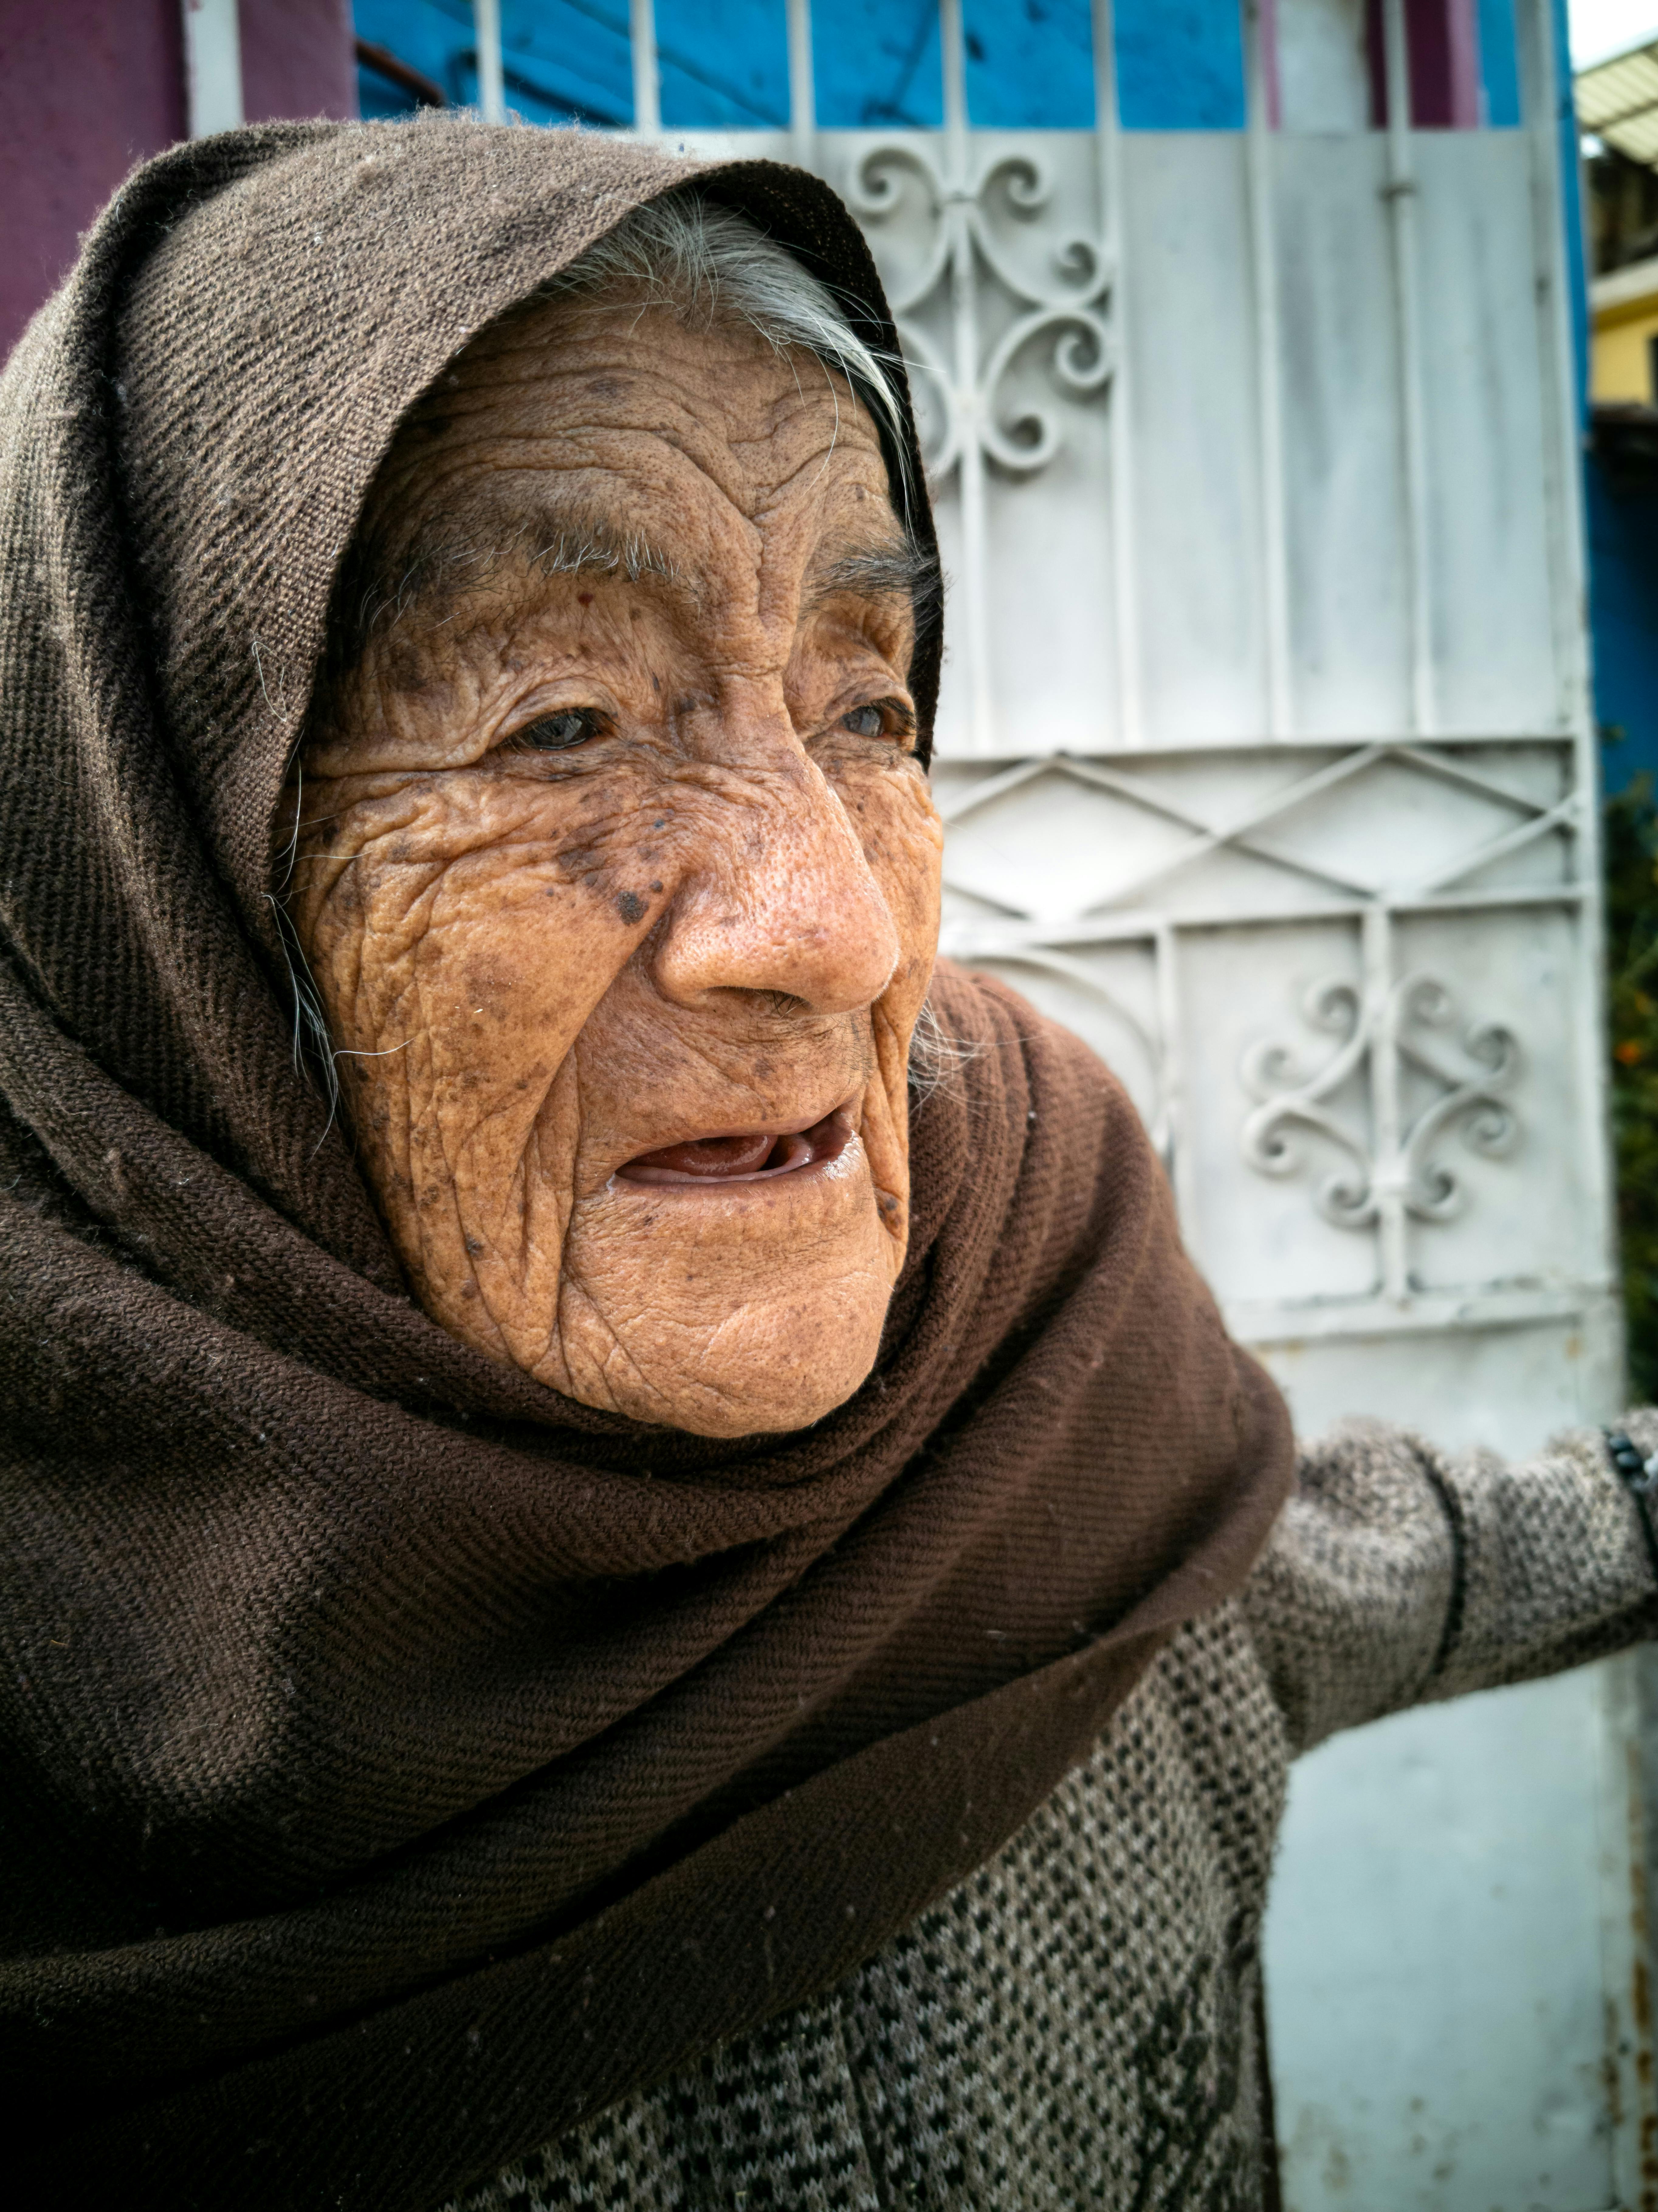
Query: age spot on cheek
(630, 906)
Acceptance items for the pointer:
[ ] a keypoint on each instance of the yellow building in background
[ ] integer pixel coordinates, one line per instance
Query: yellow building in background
(1623, 349)
(1617, 104)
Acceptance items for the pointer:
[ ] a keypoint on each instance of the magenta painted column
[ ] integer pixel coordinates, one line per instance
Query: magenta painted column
(1443, 39)
(90, 87)
(87, 89)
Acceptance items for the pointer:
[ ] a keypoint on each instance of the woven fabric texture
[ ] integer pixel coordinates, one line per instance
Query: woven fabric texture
(1074, 2028)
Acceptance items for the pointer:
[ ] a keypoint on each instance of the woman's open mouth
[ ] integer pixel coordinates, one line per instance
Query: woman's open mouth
(753, 1156)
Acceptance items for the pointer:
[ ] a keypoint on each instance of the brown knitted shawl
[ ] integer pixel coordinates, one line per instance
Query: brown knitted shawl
(402, 1761)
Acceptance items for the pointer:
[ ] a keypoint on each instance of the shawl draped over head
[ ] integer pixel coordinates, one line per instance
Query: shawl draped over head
(402, 1761)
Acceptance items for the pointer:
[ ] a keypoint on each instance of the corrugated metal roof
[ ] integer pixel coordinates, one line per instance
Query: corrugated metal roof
(1618, 100)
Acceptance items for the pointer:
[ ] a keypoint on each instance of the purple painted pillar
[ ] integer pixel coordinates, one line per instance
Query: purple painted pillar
(87, 89)
(90, 87)
(1442, 37)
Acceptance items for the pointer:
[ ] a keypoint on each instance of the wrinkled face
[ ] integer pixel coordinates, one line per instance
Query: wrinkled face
(618, 877)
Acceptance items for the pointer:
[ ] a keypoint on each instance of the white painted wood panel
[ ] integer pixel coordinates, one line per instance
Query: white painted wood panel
(1488, 522)
(1344, 487)
(1185, 241)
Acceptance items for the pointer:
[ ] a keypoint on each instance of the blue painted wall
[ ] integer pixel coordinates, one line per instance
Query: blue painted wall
(568, 61)
(1180, 66)
(1499, 64)
(432, 36)
(876, 65)
(723, 63)
(1623, 546)
(1030, 64)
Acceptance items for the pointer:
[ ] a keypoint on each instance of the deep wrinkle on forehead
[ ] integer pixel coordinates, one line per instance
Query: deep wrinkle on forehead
(467, 529)
(590, 369)
(503, 547)
(575, 371)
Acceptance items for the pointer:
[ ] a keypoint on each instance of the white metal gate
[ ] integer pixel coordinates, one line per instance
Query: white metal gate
(1265, 750)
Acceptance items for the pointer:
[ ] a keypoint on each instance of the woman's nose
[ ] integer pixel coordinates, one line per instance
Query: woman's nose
(781, 900)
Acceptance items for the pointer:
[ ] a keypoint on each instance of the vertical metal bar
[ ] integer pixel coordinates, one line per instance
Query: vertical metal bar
(486, 37)
(213, 66)
(1400, 190)
(1182, 1162)
(1563, 461)
(1380, 1014)
(954, 58)
(1269, 400)
(647, 80)
(1124, 593)
(1563, 445)
(972, 626)
(803, 94)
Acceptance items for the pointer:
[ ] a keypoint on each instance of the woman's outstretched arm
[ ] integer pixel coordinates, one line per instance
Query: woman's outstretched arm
(1398, 1574)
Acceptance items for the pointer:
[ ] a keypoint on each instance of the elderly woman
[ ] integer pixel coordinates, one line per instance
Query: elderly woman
(637, 1572)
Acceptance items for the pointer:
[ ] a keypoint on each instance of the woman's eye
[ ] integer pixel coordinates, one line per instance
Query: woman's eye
(556, 733)
(881, 718)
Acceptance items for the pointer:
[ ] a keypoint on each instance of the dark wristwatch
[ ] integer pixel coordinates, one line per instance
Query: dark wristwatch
(1639, 1476)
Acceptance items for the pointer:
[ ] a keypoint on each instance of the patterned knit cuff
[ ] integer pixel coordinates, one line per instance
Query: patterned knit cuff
(1638, 1472)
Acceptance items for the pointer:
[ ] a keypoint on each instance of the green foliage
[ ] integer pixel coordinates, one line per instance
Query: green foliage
(1632, 866)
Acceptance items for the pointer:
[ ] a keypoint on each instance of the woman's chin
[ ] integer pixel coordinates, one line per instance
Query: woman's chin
(750, 1310)
(769, 1406)
(780, 1360)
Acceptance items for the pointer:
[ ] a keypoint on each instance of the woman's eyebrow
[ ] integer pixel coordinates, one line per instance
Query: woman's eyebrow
(434, 570)
(551, 541)
(897, 570)
(571, 543)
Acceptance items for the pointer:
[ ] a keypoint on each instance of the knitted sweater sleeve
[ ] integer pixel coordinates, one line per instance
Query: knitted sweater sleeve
(1398, 1574)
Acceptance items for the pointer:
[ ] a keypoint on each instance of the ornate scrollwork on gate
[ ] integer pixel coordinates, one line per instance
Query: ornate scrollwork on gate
(1394, 1170)
(1069, 315)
